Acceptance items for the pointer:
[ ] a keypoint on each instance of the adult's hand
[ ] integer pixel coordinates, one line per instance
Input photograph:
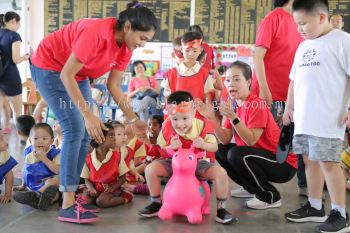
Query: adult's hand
(226, 109)
(94, 127)
(287, 117)
(266, 95)
(205, 109)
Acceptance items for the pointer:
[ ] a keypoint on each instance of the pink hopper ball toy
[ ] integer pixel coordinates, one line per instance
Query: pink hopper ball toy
(184, 193)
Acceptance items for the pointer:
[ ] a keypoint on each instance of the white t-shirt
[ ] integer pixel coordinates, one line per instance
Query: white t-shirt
(321, 71)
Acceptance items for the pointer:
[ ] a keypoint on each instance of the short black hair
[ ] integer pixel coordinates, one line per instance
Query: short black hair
(190, 36)
(158, 118)
(43, 126)
(280, 3)
(134, 64)
(108, 125)
(195, 28)
(244, 67)
(140, 17)
(24, 124)
(179, 96)
(310, 6)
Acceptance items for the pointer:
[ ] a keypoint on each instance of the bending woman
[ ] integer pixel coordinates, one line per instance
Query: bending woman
(61, 66)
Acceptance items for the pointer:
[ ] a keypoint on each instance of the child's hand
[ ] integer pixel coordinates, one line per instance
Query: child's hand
(175, 143)
(5, 199)
(140, 178)
(92, 192)
(198, 143)
(108, 189)
(21, 187)
(40, 154)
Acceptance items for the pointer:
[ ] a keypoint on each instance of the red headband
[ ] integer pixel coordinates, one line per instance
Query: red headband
(182, 107)
(192, 44)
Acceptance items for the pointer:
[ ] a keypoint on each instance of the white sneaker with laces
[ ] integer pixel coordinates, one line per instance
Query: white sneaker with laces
(241, 192)
(255, 203)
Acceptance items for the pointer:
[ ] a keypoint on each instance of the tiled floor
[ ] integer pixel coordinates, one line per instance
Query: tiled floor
(16, 218)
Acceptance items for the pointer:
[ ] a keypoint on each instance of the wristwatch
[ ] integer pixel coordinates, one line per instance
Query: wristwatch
(235, 121)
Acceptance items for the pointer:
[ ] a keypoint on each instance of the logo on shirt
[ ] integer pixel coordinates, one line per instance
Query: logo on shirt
(308, 58)
(309, 55)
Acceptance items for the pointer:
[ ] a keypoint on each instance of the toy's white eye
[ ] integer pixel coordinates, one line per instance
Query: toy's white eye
(175, 155)
(190, 157)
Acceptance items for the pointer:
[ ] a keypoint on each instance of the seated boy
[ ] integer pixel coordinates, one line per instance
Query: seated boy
(41, 170)
(182, 129)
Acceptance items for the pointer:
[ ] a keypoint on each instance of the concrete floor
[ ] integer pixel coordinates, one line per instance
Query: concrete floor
(16, 218)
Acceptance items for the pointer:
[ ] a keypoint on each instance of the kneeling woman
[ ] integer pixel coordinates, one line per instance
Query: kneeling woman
(252, 163)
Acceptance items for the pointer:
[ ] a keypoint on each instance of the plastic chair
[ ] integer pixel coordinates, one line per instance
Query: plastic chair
(30, 97)
(109, 103)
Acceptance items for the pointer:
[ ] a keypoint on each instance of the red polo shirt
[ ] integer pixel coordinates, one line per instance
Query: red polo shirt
(91, 40)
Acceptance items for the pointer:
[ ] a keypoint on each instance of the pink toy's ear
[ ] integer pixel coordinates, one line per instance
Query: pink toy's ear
(200, 154)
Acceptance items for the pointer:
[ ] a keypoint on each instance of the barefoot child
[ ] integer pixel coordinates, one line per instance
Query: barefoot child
(104, 173)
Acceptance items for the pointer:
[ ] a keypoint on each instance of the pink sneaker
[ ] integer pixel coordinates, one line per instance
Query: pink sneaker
(82, 200)
(77, 214)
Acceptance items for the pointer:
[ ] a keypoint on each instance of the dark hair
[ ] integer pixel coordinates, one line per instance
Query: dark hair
(310, 6)
(94, 143)
(43, 126)
(10, 15)
(135, 64)
(140, 17)
(280, 3)
(116, 124)
(24, 123)
(158, 118)
(177, 41)
(179, 96)
(222, 69)
(246, 69)
(195, 28)
(189, 36)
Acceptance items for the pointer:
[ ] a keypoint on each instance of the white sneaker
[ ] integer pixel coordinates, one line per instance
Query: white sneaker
(241, 192)
(260, 205)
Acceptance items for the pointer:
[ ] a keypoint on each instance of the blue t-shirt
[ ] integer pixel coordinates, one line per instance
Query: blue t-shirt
(10, 81)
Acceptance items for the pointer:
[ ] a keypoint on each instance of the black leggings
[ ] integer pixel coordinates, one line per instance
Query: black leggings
(254, 169)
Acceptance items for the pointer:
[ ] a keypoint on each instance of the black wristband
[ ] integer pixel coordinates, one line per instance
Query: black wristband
(235, 121)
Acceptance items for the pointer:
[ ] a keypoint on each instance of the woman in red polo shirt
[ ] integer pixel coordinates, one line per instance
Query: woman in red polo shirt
(62, 64)
(252, 163)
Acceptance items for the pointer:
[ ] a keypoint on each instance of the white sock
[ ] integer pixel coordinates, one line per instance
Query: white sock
(315, 203)
(340, 208)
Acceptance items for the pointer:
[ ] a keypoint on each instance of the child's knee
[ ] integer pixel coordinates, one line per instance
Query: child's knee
(152, 169)
(52, 181)
(329, 167)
